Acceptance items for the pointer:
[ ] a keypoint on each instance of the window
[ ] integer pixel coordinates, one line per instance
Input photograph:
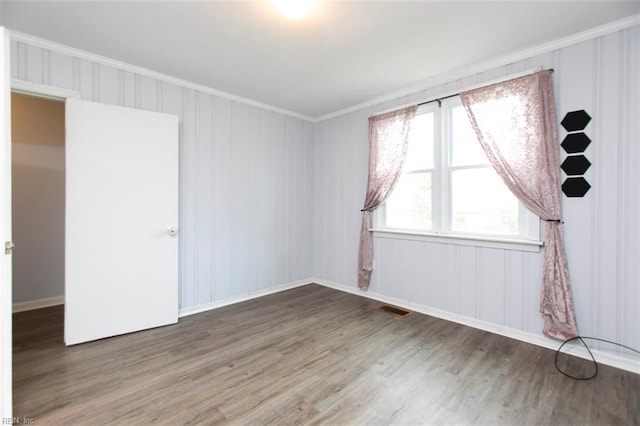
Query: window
(448, 187)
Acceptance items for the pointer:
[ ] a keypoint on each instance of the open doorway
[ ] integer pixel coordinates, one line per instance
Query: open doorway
(38, 229)
(38, 201)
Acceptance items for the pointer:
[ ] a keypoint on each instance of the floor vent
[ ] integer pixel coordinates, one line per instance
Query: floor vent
(395, 311)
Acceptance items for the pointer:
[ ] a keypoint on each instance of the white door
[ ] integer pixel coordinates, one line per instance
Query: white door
(5, 230)
(121, 260)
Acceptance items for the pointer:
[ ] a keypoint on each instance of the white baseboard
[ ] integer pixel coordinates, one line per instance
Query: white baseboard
(37, 304)
(602, 357)
(237, 299)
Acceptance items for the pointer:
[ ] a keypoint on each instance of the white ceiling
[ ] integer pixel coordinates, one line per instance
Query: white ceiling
(345, 53)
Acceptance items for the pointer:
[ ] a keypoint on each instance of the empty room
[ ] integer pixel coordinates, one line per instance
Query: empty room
(320, 212)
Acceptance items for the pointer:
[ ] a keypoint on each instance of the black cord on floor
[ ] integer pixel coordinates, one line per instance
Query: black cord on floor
(595, 364)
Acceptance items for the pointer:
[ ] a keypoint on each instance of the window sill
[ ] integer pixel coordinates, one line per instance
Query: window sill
(463, 240)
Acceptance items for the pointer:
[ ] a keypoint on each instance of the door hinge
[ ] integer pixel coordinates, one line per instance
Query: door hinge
(8, 247)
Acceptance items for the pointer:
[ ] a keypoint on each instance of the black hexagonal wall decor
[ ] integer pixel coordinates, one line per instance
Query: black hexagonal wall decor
(575, 165)
(575, 120)
(575, 187)
(575, 142)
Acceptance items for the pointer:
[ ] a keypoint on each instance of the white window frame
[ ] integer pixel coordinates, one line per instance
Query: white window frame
(529, 223)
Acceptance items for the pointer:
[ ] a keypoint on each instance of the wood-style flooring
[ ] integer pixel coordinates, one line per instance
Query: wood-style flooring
(310, 355)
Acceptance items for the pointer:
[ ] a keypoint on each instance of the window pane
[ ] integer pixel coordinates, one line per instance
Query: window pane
(466, 149)
(420, 150)
(481, 203)
(409, 206)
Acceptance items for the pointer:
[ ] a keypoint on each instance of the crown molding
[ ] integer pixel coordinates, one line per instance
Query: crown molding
(436, 80)
(467, 71)
(103, 60)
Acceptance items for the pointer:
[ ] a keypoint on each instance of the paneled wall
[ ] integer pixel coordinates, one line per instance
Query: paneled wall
(495, 286)
(268, 199)
(245, 176)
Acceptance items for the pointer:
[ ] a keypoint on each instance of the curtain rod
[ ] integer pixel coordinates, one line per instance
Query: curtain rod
(442, 98)
(448, 95)
(438, 100)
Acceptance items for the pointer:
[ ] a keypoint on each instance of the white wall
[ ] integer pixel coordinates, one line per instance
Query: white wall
(38, 183)
(245, 180)
(495, 286)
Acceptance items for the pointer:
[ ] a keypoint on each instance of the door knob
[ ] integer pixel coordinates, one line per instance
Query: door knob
(172, 231)
(8, 247)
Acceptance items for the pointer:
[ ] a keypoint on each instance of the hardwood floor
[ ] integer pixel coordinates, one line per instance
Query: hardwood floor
(310, 355)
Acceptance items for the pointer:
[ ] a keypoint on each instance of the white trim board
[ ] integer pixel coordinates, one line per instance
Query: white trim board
(243, 298)
(601, 357)
(38, 304)
(42, 91)
(428, 83)
(6, 291)
(467, 71)
(103, 60)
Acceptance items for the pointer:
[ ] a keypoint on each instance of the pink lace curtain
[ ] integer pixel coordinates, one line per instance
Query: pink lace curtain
(515, 122)
(388, 139)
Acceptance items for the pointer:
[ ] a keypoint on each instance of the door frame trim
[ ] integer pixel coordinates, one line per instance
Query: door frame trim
(42, 91)
(6, 311)
(6, 319)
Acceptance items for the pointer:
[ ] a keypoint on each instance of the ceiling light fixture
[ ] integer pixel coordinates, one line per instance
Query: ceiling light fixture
(293, 9)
